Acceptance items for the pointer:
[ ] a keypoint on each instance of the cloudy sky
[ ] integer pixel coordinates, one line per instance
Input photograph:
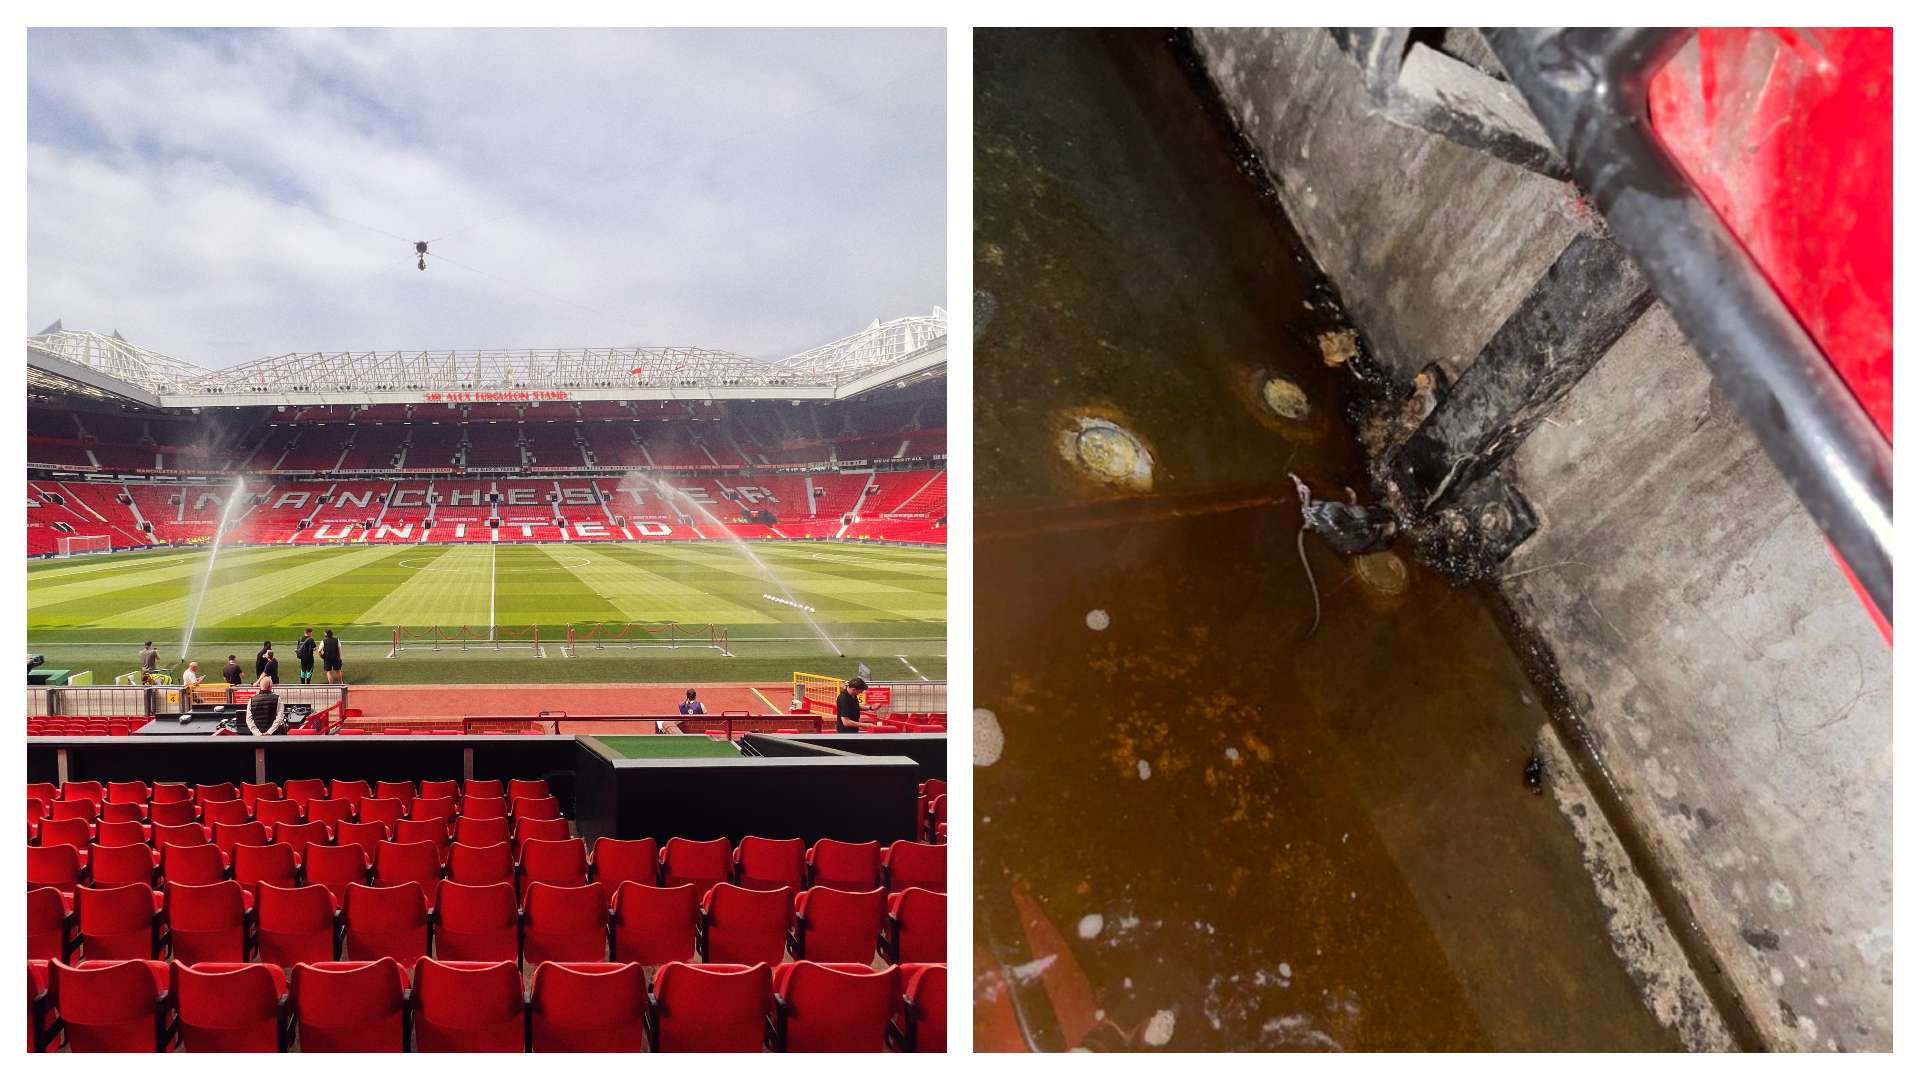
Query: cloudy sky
(223, 196)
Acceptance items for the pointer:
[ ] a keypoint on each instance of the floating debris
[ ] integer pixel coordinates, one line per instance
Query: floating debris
(988, 741)
(1145, 770)
(1337, 347)
(1091, 925)
(1098, 619)
(1159, 1030)
(1285, 397)
(1108, 453)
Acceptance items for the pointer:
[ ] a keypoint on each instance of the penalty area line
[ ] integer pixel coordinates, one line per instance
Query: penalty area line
(911, 668)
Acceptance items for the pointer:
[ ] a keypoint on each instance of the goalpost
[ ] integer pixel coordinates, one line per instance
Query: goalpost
(84, 545)
(467, 638)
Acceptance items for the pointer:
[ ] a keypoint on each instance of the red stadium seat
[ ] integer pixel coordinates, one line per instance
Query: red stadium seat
(916, 928)
(842, 1008)
(297, 926)
(540, 806)
(615, 861)
(272, 864)
(349, 1007)
(831, 926)
(304, 791)
(118, 923)
(128, 791)
(221, 792)
(192, 864)
(271, 812)
(911, 865)
(91, 790)
(389, 920)
(299, 836)
(565, 924)
(395, 864)
(429, 831)
(400, 790)
(483, 806)
(353, 791)
(75, 809)
(337, 866)
(116, 833)
(523, 789)
(57, 866)
(701, 863)
(744, 926)
(40, 1011)
(253, 794)
(166, 792)
(329, 811)
(50, 924)
(840, 865)
(471, 865)
(390, 811)
(230, 1008)
(652, 925)
(556, 862)
(111, 1007)
(73, 832)
(123, 811)
(479, 832)
(122, 864)
(208, 923)
(226, 836)
(467, 1007)
(923, 1013)
(589, 1008)
(477, 922)
(711, 1007)
(760, 863)
(368, 834)
(429, 807)
(175, 813)
(525, 829)
(439, 789)
(186, 834)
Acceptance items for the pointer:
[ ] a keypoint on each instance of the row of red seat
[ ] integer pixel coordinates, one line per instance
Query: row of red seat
(83, 726)
(374, 1007)
(308, 853)
(223, 922)
(300, 791)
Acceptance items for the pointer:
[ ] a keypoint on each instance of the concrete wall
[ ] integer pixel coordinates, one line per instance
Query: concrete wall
(1738, 693)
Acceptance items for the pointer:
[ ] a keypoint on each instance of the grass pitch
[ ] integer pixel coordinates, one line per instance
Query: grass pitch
(668, 746)
(883, 606)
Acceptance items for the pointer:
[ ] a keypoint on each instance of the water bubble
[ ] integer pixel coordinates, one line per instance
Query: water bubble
(1098, 619)
(1091, 925)
(988, 740)
(1285, 397)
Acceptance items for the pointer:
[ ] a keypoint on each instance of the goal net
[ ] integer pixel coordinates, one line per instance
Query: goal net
(84, 545)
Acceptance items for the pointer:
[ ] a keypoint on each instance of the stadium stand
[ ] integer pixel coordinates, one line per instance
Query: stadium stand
(326, 933)
(566, 471)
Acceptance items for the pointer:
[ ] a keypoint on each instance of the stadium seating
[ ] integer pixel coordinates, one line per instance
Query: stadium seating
(165, 939)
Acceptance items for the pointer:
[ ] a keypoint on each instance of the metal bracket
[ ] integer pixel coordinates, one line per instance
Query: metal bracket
(1415, 85)
(1576, 311)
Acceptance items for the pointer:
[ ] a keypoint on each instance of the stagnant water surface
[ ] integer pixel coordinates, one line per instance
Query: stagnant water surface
(1207, 830)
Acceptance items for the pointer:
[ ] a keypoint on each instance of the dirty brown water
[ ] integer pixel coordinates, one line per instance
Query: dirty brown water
(1288, 844)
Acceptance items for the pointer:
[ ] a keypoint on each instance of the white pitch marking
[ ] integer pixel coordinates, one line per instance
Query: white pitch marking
(911, 668)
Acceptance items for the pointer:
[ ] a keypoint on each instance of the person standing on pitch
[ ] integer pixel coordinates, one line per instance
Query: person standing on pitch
(231, 674)
(149, 662)
(330, 657)
(272, 668)
(846, 707)
(304, 653)
(260, 659)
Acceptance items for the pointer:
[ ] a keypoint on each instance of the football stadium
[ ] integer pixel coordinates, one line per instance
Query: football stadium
(565, 772)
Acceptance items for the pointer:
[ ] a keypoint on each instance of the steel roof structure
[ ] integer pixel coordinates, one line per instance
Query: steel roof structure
(84, 361)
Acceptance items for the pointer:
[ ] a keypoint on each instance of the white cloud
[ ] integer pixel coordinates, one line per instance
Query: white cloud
(755, 191)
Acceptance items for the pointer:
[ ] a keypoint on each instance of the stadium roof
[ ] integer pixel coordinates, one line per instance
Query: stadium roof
(86, 362)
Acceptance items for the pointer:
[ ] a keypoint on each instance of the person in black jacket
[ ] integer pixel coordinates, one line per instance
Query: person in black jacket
(260, 659)
(304, 652)
(846, 707)
(330, 658)
(231, 673)
(272, 670)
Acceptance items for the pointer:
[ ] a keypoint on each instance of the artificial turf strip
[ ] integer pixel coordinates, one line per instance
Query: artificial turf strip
(668, 746)
(877, 604)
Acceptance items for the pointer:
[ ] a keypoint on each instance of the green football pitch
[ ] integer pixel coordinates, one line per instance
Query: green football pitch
(668, 746)
(884, 606)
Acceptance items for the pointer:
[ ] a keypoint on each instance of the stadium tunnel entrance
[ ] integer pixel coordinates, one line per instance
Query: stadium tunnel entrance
(1247, 783)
